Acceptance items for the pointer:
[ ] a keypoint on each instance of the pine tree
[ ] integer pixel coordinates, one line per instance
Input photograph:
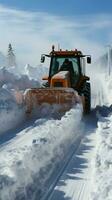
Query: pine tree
(11, 59)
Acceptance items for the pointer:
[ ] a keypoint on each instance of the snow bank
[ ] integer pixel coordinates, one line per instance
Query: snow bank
(103, 161)
(11, 87)
(12, 84)
(27, 162)
(101, 84)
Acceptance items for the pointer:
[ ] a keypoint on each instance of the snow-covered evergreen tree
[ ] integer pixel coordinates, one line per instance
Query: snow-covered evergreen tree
(11, 59)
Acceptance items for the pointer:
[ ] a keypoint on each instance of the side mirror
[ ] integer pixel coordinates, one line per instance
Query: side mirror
(42, 58)
(89, 60)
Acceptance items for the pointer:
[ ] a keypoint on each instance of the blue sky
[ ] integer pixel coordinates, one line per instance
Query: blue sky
(62, 7)
(32, 26)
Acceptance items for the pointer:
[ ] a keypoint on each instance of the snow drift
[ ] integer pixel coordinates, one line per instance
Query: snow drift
(28, 160)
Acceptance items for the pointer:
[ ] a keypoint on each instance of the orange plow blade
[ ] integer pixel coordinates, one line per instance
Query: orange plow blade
(64, 98)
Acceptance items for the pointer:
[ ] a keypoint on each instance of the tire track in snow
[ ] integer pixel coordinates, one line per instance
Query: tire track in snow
(68, 159)
(77, 188)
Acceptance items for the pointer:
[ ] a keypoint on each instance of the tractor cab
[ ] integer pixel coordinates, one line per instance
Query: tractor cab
(66, 63)
(71, 61)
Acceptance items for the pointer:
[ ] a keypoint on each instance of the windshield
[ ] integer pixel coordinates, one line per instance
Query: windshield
(57, 63)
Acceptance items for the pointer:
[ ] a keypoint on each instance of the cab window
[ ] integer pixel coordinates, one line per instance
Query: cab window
(58, 62)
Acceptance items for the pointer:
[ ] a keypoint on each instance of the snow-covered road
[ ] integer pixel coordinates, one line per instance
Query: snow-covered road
(75, 182)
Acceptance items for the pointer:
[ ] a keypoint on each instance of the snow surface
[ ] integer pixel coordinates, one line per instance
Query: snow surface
(102, 162)
(62, 74)
(75, 182)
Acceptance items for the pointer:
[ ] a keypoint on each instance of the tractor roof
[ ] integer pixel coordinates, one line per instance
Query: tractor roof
(61, 52)
(66, 53)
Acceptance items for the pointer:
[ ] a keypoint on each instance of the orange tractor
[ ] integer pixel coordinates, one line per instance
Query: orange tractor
(66, 84)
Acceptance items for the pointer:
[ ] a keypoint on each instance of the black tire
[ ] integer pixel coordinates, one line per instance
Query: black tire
(87, 95)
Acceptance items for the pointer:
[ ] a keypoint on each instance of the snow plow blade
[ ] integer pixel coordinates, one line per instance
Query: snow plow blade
(63, 98)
